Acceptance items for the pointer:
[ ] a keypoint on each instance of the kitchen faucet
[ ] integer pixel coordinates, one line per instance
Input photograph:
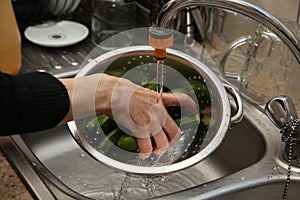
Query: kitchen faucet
(280, 108)
(166, 14)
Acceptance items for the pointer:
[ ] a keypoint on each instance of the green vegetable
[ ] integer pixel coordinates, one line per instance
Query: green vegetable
(199, 87)
(90, 124)
(118, 72)
(178, 90)
(208, 120)
(185, 121)
(150, 85)
(128, 143)
(111, 139)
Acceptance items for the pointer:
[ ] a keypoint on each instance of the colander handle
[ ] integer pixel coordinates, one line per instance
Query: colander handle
(238, 116)
(241, 75)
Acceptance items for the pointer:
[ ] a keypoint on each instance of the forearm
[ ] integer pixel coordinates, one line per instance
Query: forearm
(89, 95)
(31, 102)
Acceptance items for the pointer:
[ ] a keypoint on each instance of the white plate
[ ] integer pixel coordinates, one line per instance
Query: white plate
(56, 34)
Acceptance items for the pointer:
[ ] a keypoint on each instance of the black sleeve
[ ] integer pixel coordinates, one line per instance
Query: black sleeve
(31, 102)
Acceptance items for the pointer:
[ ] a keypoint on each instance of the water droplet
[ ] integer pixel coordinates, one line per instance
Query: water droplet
(140, 56)
(95, 139)
(84, 183)
(243, 178)
(33, 163)
(78, 178)
(269, 177)
(82, 154)
(128, 62)
(143, 185)
(59, 177)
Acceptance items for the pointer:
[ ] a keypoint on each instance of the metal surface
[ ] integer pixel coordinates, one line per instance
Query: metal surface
(282, 113)
(281, 110)
(249, 163)
(164, 19)
(60, 62)
(69, 173)
(214, 136)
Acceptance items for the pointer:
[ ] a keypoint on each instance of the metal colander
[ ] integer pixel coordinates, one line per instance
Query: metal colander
(199, 137)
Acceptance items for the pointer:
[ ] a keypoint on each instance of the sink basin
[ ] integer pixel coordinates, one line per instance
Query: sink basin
(69, 172)
(247, 165)
(265, 187)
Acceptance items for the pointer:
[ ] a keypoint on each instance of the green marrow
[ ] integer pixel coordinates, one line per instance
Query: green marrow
(110, 139)
(128, 143)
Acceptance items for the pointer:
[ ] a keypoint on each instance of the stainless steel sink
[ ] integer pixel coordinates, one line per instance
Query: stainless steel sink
(249, 161)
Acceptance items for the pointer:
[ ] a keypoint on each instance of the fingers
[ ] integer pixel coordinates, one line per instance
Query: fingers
(161, 142)
(169, 134)
(180, 99)
(164, 129)
(145, 147)
(172, 130)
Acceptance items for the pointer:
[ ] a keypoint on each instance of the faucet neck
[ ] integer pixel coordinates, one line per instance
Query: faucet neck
(166, 14)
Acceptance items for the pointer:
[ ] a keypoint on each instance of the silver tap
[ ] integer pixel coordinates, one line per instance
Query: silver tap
(164, 18)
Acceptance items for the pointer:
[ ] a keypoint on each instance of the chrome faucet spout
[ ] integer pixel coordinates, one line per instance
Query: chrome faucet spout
(166, 14)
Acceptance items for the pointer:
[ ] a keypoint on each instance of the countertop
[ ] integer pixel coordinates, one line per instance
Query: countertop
(11, 186)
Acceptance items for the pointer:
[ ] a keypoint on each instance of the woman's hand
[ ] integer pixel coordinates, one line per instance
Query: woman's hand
(138, 109)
